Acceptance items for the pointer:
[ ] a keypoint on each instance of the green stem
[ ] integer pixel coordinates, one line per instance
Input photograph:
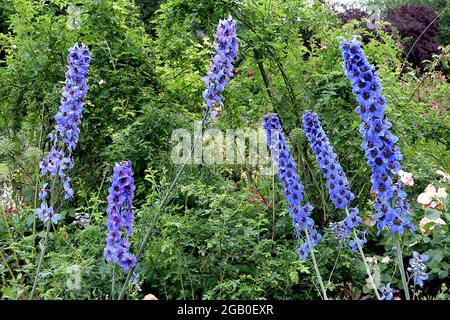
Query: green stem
(316, 268)
(41, 259)
(334, 267)
(402, 267)
(374, 286)
(5, 263)
(44, 244)
(273, 202)
(363, 257)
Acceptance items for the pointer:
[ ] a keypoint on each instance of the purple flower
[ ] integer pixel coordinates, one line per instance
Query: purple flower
(387, 293)
(337, 184)
(417, 268)
(354, 245)
(65, 136)
(120, 216)
(220, 73)
(290, 180)
(381, 151)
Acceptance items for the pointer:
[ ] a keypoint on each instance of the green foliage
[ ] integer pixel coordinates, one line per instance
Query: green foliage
(226, 232)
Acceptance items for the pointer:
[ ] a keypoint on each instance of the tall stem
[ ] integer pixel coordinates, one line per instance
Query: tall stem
(361, 252)
(316, 268)
(374, 286)
(41, 259)
(401, 267)
(273, 201)
(44, 243)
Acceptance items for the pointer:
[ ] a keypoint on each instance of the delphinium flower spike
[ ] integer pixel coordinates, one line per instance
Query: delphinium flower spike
(293, 190)
(120, 216)
(338, 188)
(380, 147)
(65, 136)
(221, 67)
(64, 140)
(337, 183)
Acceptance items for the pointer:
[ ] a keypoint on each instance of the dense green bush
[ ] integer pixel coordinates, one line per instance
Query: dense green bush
(226, 232)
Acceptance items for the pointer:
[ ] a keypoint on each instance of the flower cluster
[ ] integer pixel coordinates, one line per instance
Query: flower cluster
(337, 184)
(417, 268)
(379, 143)
(8, 203)
(290, 180)
(387, 292)
(120, 216)
(341, 230)
(65, 136)
(432, 197)
(227, 45)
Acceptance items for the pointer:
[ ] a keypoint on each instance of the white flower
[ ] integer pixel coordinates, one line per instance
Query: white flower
(385, 259)
(101, 82)
(432, 198)
(426, 197)
(427, 220)
(445, 176)
(441, 193)
(406, 177)
(372, 260)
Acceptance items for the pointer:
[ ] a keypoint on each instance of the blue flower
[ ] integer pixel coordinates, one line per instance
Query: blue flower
(381, 152)
(120, 216)
(340, 232)
(354, 245)
(220, 73)
(303, 251)
(290, 180)
(417, 268)
(337, 183)
(387, 293)
(68, 119)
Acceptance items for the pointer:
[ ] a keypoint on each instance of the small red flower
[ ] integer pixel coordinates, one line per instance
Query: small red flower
(250, 74)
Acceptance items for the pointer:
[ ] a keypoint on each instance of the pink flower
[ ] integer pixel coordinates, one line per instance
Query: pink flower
(433, 105)
(250, 74)
(406, 177)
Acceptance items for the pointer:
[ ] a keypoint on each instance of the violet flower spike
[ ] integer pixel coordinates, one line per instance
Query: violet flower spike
(221, 67)
(337, 183)
(65, 136)
(120, 216)
(380, 147)
(290, 180)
